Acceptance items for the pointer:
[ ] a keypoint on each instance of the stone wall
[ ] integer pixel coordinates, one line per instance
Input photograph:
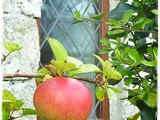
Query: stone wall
(20, 26)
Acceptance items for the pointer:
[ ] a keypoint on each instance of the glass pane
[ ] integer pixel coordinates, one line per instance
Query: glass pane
(80, 40)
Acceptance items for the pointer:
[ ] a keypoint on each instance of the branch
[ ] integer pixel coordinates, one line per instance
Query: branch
(22, 75)
(91, 81)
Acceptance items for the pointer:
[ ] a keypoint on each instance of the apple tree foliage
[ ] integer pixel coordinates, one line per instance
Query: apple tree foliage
(132, 45)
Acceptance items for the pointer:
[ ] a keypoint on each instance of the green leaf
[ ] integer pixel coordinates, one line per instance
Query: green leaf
(119, 10)
(77, 14)
(5, 112)
(102, 63)
(111, 94)
(104, 51)
(11, 46)
(155, 11)
(97, 16)
(134, 117)
(149, 63)
(74, 61)
(111, 72)
(145, 84)
(114, 32)
(63, 67)
(42, 71)
(87, 7)
(128, 81)
(8, 96)
(78, 21)
(127, 15)
(150, 99)
(18, 104)
(115, 89)
(58, 49)
(135, 56)
(29, 111)
(141, 23)
(84, 68)
(105, 42)
(114, 22)
(155, 52)
(124, 71)
(100, 93)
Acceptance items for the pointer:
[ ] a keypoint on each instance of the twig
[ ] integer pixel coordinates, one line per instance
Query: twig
(41, 76)
(22, 75)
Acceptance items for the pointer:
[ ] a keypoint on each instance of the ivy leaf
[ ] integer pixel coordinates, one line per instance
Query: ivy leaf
(127, 15)
(100, 93)
(74, 61)
(29, 111)
(63, 67)
(84, 68)
(58, 49)
(150, 99)
(111, 94)
(42, 71)
(11, 46)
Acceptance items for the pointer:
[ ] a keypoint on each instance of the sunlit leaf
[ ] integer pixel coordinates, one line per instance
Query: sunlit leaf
(84, 68)
(11, 46)
(42, 71)
(77, 14)
(8, 96)
(63, 67)
(115, 89)
(74, 61)
(58, 49)
(100, 93)
(114, 22)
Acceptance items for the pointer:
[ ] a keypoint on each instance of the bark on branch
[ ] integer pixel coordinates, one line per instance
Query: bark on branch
(14, 75)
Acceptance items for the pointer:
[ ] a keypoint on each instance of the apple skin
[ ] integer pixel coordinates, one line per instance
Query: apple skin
(62, 98)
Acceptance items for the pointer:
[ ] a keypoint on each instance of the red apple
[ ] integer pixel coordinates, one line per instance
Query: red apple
(63, 99)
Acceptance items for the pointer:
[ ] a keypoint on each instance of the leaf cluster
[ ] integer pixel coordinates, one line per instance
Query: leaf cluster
(10, 105)
(132, 43)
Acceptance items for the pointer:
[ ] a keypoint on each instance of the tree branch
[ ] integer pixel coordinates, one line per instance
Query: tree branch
(22, 75)
(91, 81)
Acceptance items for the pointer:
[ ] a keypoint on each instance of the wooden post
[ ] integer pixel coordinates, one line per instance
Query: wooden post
(104, 7)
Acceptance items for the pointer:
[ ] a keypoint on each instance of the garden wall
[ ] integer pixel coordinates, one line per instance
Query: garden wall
(20, 26)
